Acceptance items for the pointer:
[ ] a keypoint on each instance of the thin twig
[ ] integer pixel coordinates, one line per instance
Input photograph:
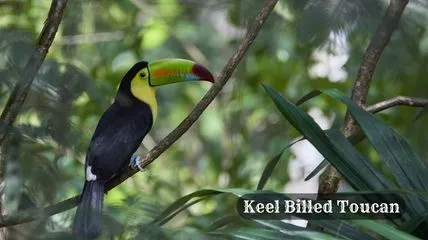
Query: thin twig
(374, 51)
(20, 91)
(395, 101)
(330, 179)
(33, 214)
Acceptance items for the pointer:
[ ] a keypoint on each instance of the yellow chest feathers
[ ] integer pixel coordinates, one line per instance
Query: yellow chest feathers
(141, 90)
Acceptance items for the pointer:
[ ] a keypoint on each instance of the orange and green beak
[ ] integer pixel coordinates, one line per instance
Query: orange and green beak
(167, 71)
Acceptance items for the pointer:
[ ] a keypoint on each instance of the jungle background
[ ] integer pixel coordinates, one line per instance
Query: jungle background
(303, 46)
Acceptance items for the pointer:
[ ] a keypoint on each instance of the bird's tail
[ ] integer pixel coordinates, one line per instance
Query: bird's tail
(88, 219)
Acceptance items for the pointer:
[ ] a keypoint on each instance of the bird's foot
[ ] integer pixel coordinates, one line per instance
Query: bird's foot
(135, 163)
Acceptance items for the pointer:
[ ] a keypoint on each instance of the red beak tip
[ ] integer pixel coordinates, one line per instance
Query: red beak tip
(202, 72)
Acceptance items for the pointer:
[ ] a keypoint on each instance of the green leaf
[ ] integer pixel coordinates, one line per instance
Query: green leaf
(183, 203)
(367, 172)
(412, 224)
(314, 134)
(308, 96)
(252, 233)
(342, 229)
(272, 163)
(223, 222)
(177, 205)
(261, 233)
(354, 139)
(359, 172)
(384, 230)
(396, 153)
(267, 172)
(278, 229)
(371, 175)
(318, 168)
(293, 230)
(179, 210)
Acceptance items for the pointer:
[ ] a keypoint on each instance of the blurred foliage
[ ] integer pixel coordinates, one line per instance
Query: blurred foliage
(235, 137)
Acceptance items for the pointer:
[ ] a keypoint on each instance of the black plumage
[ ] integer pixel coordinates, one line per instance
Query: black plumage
(119, 132)
(117, 136)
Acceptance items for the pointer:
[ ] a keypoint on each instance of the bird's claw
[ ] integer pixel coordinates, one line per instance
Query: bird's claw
(135, 163)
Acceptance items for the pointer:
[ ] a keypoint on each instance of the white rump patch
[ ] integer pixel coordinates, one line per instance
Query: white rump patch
(89, 175)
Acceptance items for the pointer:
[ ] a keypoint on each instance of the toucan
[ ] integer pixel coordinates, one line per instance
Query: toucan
(121, 130)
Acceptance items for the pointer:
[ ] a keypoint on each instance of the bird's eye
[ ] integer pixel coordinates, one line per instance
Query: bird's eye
(143, 74)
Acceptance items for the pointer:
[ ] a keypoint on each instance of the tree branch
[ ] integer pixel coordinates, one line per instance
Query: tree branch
(395, 101)
(21, 89)
(330, 179)
(33, 214)
(35, 60)
(214, 90)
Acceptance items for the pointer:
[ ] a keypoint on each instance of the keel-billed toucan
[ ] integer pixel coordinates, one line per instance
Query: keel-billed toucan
(121, 129)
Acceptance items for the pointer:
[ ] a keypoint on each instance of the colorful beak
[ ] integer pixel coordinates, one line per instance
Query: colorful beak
(166, 71)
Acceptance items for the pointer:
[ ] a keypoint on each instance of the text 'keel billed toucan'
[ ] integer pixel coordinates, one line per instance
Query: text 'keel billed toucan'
(121, 130)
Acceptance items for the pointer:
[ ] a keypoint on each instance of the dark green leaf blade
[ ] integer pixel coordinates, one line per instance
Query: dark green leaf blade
(384, 230)
(324, 163)
(396, 152)
(223, 222)
(177, 205)
(342, 229)
(314, 134)
(308, 96)
(267, 172)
